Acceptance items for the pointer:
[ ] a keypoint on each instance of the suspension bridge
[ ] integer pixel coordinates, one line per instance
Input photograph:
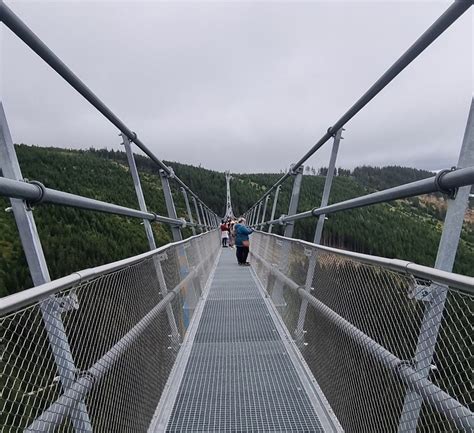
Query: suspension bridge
(180, 339)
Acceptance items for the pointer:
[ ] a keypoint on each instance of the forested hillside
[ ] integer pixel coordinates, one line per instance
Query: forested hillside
(75, 239)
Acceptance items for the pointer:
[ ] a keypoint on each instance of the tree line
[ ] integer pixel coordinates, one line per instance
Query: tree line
(74, 239)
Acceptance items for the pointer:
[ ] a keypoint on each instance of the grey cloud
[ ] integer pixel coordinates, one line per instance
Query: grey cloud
(245, 86)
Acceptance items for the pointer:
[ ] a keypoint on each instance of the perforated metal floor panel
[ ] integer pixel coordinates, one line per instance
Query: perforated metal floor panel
(239, 376)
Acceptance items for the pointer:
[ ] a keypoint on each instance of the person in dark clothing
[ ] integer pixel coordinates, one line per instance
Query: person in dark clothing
(242, 241)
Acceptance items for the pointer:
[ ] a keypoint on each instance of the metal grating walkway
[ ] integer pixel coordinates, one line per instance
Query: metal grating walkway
(239, 375)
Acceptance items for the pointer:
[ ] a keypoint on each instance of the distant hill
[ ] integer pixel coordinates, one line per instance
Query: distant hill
(379, 178)
(75, 239)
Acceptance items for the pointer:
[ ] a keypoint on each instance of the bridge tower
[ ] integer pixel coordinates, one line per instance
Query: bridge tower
(228, 207)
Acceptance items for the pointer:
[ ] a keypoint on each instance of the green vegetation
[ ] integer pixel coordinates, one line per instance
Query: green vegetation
(75, 239)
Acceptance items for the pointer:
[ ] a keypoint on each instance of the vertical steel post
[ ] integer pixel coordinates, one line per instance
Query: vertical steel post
(176, 231)
(257, 215)
(198, 216)
(433, 314)
(299, 332)
(208, 218)
(50, 308)
(211, 217)
(295, 197)
(275, 201)
(252, 216)
(277, 294)
(157, 259)
(327, 185)
(204, 216)
(138, 190)
(206, 225)
(149, 234)
(188, 209)
(264, 212)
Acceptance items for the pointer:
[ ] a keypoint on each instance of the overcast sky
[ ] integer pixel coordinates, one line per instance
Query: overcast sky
(243, 86)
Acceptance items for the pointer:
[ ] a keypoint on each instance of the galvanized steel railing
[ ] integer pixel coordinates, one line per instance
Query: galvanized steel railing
(121, 323)
(431, 314)
(458, 8)
(38, 193)
(76, 352)
(389, 342)
(359, 322)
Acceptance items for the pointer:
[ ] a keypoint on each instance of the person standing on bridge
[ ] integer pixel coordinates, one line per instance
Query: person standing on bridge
(224, 233)
(231, 233)
(242, 241)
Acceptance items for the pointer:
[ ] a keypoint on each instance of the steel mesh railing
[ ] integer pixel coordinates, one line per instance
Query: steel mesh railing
(358, 326)
(124, 329)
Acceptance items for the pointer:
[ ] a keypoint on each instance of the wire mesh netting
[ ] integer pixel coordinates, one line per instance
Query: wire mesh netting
(97, 355)
(369, 336)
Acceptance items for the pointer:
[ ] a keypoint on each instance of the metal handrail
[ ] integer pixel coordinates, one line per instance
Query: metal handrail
(462, 283)
(55, 414)
(35, 294)
(17, 26)
(446, 181)
(456, 412)
(36, 193)
(429, 36)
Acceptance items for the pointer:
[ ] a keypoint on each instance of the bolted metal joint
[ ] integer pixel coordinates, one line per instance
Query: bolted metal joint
(162, 257)
(281, 220)
(80, 374)
(405, 364)
(294, 171)
(63, 304)
(422, 292)
(451, 193)
(168, 174)
(331, 132)
(42, 190)
(184, 223)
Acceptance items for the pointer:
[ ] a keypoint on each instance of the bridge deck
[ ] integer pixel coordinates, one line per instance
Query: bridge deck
(239, 372)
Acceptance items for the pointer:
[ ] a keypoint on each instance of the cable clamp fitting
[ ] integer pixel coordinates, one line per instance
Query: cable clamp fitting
(42, 189)
(451, 193)
(281, 220)
(168, 173)
(294, 171)
(126, 137)
(331, 132)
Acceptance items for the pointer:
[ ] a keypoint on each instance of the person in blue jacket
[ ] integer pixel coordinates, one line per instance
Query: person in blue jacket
(242, 242)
